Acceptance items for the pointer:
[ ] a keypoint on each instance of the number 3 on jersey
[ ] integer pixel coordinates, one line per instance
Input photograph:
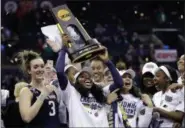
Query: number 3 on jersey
(52, 111)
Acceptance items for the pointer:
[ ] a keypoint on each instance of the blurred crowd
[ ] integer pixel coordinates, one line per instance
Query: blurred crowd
(128, 31)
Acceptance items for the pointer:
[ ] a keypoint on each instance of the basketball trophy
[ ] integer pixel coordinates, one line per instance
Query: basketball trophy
(81, 46)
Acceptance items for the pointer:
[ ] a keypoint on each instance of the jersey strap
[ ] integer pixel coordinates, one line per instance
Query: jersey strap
(34, 90)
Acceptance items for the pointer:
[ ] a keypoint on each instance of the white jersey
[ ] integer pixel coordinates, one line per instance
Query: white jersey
(133, 107)
(84, 111)
(169, 101)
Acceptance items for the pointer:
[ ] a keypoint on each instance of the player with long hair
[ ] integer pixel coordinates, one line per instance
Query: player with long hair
(38, 103)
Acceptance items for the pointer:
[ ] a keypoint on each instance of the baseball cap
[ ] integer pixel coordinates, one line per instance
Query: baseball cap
(85, 69)
(129, 71)
(150, 67)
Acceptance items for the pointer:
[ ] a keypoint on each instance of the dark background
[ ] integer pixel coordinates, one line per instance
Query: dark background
(113, 23)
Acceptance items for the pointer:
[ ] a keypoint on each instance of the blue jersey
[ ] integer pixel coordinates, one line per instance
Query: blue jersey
(47, 116)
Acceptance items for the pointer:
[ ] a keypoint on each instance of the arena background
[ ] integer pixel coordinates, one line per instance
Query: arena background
(132, 31)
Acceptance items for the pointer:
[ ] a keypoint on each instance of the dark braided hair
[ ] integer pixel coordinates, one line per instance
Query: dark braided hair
(95, 90)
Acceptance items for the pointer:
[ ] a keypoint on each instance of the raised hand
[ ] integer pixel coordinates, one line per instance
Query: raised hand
(66, 40)
(147, 100)
(175, 86)
(104, 56)
(48, 89)
(55, 46)
(113, 96)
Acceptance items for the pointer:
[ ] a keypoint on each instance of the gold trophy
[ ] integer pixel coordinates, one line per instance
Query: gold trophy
(81, 46)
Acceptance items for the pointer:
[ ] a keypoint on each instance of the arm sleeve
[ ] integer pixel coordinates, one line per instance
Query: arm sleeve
(118, 83)
(60, 64)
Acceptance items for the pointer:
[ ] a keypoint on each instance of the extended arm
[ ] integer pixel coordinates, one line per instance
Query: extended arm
(118, 83)
(174, 115)
(60, 64)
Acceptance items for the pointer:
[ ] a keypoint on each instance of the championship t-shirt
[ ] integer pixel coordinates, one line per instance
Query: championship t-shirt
(169, 101)
(84, 111)
(133, 106)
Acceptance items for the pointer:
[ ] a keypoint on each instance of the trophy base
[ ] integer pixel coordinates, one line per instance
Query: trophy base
(88, 52)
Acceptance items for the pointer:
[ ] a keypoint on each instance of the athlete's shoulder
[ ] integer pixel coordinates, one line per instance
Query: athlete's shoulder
(25, 91)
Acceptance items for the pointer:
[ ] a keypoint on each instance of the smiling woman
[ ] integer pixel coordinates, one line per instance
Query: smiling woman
(97, 70)
(38, 102)
(133, 103)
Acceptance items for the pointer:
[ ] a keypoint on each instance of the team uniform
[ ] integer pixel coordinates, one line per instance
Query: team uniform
(169, 101)
(47, 116)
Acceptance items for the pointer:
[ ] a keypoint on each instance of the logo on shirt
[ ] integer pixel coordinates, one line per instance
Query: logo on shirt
(130, 108)
(51, 97)
(168, 98)
(91, 103)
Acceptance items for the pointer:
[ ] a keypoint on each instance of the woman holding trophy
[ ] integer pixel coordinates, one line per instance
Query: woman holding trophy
(85, 101)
